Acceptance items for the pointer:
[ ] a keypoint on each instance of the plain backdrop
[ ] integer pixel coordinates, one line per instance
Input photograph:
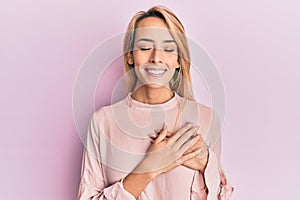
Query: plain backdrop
(254, 44)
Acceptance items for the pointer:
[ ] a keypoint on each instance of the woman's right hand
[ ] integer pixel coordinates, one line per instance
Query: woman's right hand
(166, 153)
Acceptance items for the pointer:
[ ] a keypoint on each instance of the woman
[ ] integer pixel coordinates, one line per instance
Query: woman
(150, 145)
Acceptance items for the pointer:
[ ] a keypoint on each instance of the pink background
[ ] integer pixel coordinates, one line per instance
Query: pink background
(255, 45)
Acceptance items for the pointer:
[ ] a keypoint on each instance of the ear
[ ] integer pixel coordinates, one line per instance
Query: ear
(178, 64)
(130, 60)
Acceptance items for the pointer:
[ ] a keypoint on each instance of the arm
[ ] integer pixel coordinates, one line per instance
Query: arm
(219, 185)
(213, 183)
(213, 178)
(163, 155)
(92, 185)
(225, 188)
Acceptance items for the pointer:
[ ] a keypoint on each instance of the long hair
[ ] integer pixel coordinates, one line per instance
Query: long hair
(181, 81)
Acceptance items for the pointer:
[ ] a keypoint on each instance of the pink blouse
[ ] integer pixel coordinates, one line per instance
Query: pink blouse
(117, 141)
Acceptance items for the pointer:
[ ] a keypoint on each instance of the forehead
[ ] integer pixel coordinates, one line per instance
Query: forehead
(153, 28)
(155, 34)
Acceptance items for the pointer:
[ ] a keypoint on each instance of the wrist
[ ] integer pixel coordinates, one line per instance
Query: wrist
(135, 183)
(145, 171)
(149, 176)
(142, 177)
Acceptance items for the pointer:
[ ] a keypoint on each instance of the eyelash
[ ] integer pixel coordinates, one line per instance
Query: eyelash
(145, 48)
(148, 48)
(169, 50)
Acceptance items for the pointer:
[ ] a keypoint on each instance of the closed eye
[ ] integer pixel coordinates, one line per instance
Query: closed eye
(169, 50)
(145, 48)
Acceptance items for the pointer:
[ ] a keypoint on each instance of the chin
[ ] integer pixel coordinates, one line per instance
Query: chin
(156, 85)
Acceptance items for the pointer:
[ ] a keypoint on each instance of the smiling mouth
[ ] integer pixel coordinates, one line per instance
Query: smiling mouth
(155, 72)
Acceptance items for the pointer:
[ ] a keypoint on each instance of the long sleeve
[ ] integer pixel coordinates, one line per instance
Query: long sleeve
(215, 180)
(92, 185)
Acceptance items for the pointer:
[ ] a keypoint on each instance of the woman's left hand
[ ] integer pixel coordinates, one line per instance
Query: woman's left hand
(198, 162)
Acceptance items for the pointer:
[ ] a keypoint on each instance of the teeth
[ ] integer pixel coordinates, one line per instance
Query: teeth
(156, 71)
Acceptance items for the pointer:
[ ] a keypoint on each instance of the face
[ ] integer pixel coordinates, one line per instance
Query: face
(155, 55)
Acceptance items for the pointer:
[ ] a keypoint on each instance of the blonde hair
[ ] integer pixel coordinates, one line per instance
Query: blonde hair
(181, 81)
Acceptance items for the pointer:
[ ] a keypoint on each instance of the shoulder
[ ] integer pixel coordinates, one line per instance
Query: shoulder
(105, 112)
(208, 113)
(205, 111)
(210, 126)
(207, 116)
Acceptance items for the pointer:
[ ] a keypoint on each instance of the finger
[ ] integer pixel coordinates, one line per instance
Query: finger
(182, 159)
(158, 131)
(187, 157)
(187, 145)
(180, 132)
(195, 147)
(203, 150)
(152, 140)
(200, 142)
(162, 135)
(187, 136)
(153, 135)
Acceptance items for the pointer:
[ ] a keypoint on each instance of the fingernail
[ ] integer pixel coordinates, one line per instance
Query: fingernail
(196, 139)
(152, 135)
(157, 130)
(189, 124)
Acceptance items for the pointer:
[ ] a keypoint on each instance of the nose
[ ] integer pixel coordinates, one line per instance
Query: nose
(156, 56)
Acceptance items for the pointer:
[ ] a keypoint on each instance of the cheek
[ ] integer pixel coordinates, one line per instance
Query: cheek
(174, 64)
(172, 60)
(171, 74)
(140, 57)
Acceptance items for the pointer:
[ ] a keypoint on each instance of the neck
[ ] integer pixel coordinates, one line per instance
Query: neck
(148, 95)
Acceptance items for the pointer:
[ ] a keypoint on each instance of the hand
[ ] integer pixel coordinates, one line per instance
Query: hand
(198, 162)
(167, 153)
(164, 154)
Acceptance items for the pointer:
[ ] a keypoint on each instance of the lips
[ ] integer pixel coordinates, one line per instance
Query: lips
(155, 72)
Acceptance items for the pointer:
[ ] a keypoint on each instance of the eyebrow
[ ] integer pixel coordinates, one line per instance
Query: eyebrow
(150, 40)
